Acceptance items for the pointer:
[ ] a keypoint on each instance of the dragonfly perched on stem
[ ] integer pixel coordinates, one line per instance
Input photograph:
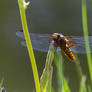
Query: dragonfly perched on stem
(68, 44)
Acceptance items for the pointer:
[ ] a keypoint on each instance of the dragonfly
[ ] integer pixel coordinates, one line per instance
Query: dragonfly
(68, 44)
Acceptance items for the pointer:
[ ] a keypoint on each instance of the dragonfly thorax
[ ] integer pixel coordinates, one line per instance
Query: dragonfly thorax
(58, 40)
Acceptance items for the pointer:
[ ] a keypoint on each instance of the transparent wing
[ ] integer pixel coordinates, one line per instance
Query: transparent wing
(38, 46)
(80, 46)
(41, 42)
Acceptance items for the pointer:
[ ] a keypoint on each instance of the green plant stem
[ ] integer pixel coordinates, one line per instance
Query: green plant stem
(29, 46)
(85, 30)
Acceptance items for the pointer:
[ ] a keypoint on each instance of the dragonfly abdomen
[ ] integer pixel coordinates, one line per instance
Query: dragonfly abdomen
(67, 51)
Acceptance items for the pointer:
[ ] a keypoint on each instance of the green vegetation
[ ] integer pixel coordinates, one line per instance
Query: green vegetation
(62, 82)
(2, 89)
(45, 84)
(22, 7)
(46, 78)
(85, 30)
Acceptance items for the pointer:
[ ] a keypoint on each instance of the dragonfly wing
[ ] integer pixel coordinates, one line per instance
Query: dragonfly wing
(39, 41)
(20, 34)
(80, 46)
(37, 46)
(80, 39)
(33, 36)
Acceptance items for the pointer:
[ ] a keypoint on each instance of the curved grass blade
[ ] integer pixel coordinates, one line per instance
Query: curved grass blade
(46, 78)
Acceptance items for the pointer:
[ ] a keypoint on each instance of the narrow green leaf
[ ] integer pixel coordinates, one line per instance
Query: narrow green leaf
(46, 78)
(62, 82)
(89, 89)
(85, 30)
(83, 84)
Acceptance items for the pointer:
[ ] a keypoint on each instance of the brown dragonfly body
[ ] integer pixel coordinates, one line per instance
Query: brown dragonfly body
(61, 41)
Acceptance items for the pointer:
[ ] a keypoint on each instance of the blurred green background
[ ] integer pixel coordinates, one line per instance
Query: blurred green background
(44, 16)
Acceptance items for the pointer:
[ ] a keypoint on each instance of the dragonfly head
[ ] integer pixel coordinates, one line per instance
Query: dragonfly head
(56, 36)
